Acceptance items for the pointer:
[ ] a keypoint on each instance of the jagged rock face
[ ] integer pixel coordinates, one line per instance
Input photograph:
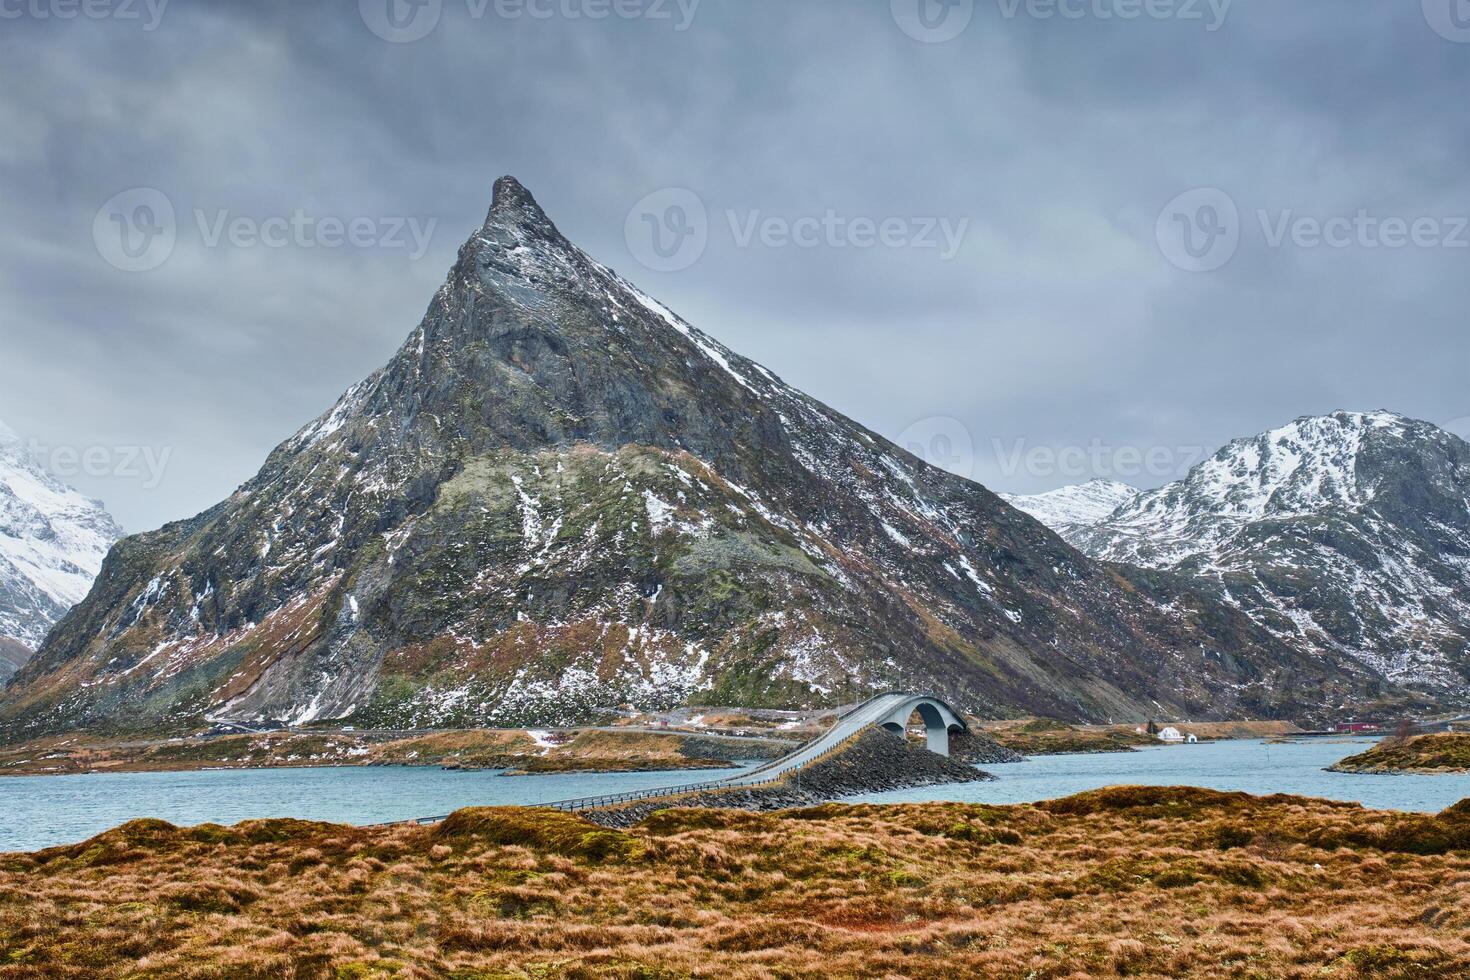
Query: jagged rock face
(1348, 533)
(1068, 510)
(559, 496)
(52, 542)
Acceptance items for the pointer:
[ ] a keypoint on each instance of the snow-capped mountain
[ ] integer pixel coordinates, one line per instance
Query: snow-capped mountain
(1066, 510)
(560, 496)
(52, 542)
(1347, 533)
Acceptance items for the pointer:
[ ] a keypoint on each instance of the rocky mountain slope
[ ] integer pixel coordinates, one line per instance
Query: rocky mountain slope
(1347, 534)
(52, 542)
(1067, 510)
(13, 655)
(559, 496)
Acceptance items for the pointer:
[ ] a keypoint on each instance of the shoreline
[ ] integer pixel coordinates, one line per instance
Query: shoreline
(532, 751)
(587, 750)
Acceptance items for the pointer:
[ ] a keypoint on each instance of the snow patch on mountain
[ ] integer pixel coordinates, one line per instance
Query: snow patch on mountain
(1067, 509)
(1349, 532)
(52, 542)
(1296, 471)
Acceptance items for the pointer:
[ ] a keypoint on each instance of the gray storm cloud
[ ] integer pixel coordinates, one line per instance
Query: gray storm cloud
(321, 178)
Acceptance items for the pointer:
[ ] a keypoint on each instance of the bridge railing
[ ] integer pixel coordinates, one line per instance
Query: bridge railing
(691, 789)
(597, 802)
(796, 752)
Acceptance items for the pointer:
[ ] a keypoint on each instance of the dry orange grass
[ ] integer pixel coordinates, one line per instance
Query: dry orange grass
(1136, 882)
(1440, 752)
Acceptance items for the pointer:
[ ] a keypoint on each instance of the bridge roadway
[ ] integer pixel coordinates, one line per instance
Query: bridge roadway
(890, 710)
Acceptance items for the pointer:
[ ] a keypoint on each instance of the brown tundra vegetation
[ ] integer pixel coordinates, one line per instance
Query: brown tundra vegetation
(1444, 752)
(1150, 882)
(587, 750)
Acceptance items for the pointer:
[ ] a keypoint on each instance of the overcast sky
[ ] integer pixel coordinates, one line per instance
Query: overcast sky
(1032, 287)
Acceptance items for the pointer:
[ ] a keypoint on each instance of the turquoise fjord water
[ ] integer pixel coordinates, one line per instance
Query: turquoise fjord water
(42, 811)
(1243, 766)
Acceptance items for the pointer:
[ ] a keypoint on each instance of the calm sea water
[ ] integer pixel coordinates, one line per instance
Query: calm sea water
(41, 811)
(1246, 766)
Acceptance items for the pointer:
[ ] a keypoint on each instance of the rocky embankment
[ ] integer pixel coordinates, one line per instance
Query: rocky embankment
(1444, 752)
(875, 761)
(978, 748)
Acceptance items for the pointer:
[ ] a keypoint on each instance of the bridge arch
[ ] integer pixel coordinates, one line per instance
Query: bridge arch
(939, 720)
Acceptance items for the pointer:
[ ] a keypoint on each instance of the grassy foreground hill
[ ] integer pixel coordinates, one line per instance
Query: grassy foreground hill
(1154, 882)
(1446, 752)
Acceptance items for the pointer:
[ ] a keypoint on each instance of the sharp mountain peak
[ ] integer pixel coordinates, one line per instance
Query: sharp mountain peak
(558, 497)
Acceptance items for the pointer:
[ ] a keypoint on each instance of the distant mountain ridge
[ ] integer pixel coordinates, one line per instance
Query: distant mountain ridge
(558, 497)
(1068, 509)
(52, 543)
(1347, 533)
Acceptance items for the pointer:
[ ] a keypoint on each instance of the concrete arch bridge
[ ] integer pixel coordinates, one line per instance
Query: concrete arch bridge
(890, 711)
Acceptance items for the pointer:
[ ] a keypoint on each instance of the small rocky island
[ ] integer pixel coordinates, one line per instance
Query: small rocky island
(1443, 752)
